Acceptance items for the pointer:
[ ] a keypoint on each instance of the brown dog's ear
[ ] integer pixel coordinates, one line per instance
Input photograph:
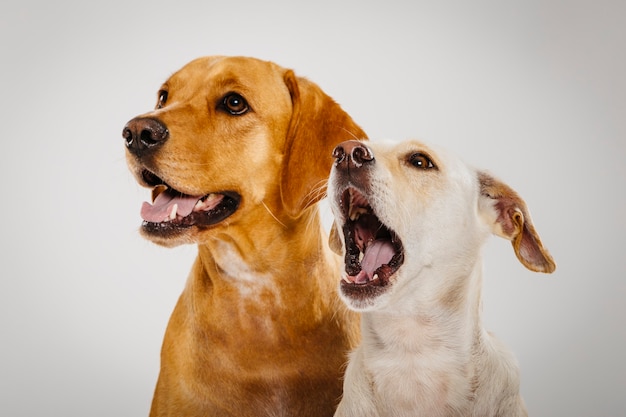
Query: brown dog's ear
(511, 220)
(317, 125)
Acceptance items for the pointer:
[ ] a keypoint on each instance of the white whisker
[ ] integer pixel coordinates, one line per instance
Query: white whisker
(318, 192)
(351, 134)
(272, 214)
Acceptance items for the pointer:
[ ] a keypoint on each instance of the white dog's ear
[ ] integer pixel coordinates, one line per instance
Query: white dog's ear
(334, 240)
(509, 218)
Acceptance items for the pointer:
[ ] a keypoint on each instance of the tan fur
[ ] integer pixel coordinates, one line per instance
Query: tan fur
(258, 329)
(424, 351)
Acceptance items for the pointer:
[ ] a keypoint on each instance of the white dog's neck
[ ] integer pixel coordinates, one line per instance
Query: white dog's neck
(438, 344)
(426, 330)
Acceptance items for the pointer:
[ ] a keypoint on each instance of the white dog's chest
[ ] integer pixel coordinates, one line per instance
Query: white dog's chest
(416, 387)
(416, 375)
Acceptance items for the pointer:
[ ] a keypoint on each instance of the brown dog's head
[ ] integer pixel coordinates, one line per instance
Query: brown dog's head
(229, 136)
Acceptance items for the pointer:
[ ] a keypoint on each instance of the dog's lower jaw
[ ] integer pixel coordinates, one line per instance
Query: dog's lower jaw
(362, 298)
(177, 230)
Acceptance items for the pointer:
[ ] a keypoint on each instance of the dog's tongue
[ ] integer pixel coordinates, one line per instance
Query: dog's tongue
(163, 204)
(376, 254)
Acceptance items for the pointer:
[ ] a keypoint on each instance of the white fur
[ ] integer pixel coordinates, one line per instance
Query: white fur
(423, 350)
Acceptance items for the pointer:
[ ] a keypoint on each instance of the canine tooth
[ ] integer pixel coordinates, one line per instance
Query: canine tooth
(375, 277)
(198, 205)
(355, 212)
(173, 212)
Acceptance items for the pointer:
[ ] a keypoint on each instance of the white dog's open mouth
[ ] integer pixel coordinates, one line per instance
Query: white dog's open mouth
(172, 210)
(373, 251)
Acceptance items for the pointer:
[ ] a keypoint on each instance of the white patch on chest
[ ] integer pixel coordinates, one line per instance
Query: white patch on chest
(253, 286)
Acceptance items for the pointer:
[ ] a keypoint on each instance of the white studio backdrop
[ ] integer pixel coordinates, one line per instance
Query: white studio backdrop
(534, 91)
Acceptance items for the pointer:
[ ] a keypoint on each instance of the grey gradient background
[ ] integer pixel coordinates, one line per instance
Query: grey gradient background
(535, 91)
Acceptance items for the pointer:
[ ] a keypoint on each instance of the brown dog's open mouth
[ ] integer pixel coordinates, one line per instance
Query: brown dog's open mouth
(171, 210)
(373, 251)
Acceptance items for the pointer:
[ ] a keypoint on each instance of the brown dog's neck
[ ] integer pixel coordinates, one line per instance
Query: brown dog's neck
(268, 274)
(265, 300)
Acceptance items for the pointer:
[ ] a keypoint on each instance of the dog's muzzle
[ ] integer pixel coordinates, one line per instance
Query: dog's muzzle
(172, 212)
(374, 252)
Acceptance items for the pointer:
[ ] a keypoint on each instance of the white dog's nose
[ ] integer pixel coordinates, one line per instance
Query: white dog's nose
(352, 154)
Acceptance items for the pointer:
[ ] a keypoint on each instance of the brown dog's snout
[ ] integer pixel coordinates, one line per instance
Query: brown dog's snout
(144, 133)
(352, 154)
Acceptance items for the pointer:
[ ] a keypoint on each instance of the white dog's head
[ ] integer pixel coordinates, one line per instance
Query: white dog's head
(407, 216)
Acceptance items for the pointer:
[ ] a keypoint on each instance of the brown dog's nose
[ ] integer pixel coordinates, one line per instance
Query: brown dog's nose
(352, 154)
(143, 133)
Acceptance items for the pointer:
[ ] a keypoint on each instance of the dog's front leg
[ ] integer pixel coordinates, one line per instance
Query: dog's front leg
(358, 399)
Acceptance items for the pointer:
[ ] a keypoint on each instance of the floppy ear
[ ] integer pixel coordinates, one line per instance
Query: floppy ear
(509, 218)
(317, 125)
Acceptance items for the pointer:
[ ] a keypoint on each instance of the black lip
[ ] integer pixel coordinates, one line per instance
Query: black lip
(151, 179)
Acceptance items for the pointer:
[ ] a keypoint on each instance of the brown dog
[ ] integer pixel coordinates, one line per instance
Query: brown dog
(237, 153)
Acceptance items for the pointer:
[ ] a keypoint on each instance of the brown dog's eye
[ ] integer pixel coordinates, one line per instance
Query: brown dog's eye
(162, 99)
(234, 104)
(422, 161)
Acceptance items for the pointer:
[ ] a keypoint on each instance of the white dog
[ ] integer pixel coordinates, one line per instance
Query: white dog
(411, 222)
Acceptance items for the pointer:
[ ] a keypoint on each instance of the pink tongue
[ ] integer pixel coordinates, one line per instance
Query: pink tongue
(163, 204)
(376, 254)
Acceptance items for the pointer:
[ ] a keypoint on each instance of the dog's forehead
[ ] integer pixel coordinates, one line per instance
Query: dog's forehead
(227, 72)
(209, 80)
(392, 151)
(450, 168)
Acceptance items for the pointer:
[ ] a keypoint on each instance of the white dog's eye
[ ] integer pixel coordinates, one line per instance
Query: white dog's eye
(234, 104)
(162, 99)
(422, 161)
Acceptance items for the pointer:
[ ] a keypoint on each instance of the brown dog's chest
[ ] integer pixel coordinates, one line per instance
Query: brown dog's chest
(231, 370)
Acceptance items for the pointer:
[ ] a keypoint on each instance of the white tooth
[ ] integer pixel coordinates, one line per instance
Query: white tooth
(361, 255)
(355, 212)
(345, 278)
(173, 212)
(375, 277)
(198, 205)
